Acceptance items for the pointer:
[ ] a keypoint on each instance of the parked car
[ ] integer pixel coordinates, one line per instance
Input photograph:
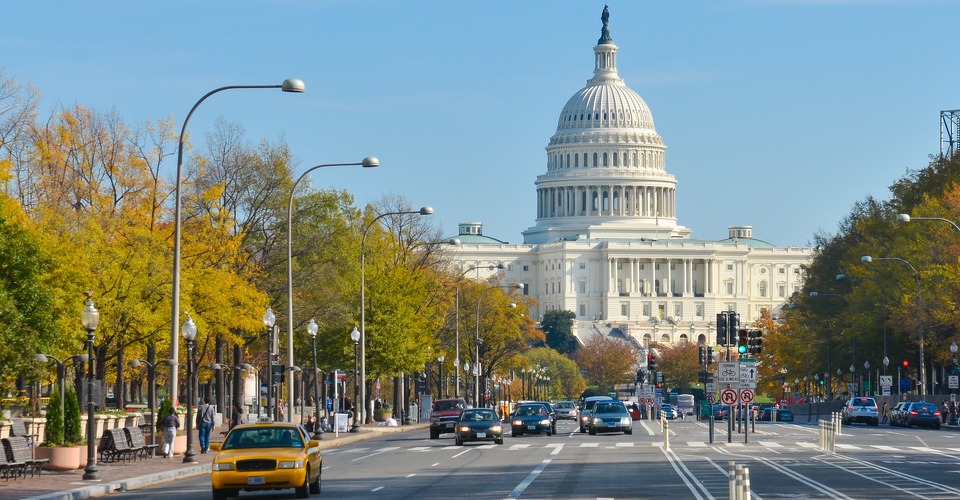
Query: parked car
(444, 415)
(479, 424)
(588, 407)
(769, 413)
(566, 409)
(895, 416)
(860, 409)
(921, 413)
(610, 416)
(531, 418)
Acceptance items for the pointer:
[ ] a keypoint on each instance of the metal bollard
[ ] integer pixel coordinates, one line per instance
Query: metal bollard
(665, 427)
(738, 482)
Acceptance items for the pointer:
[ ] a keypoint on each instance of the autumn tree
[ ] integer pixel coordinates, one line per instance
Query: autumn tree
(607, 361)
(679, 364)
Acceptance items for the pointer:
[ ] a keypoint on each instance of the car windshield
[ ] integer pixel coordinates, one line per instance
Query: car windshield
(864, 402)
(564, 404)
(609, 408)
(527, 411)
(447, 405)
(478, 415)
(263, 437)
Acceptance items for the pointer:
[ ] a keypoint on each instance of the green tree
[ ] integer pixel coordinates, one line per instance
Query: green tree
(72, 432)
(565, 382)
(54, 429)
(557, 326)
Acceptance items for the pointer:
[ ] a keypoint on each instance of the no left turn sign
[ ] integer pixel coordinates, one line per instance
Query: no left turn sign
(728, 396)
(746, 395)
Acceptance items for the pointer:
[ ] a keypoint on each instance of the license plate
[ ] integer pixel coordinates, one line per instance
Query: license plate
(481, 434)
(255, 480)
(448, 424)
(531, 427)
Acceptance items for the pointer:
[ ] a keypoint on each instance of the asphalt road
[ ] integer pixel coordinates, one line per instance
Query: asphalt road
(783, 462)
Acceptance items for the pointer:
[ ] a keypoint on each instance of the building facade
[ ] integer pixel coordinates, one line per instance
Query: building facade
(607, 244)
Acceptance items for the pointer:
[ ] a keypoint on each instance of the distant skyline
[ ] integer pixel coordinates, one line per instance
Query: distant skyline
(777, 114)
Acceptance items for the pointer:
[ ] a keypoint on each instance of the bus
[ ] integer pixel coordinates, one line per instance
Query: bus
(685, 404)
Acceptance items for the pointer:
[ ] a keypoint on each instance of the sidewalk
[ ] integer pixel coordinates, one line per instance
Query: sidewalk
(119, 477)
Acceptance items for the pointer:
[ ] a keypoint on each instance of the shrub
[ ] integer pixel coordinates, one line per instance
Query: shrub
(54, 427)
(72, 432)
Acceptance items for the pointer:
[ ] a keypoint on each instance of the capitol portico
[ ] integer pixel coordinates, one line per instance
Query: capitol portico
(607, 244)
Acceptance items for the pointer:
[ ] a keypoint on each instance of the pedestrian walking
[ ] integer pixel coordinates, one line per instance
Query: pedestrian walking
(170, 424)
(883, 413)
(237, 417)
(205, 416)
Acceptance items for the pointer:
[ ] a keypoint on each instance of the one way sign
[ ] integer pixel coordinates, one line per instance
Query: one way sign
(748, 374)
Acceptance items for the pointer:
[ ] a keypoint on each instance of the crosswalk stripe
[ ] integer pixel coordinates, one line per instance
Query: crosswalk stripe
(696, 444)
(847, 446)
(620, 445)
(924, 449)
(770, 444)
(589, 445)
(519, 446)
(804, 444)
(884, 447)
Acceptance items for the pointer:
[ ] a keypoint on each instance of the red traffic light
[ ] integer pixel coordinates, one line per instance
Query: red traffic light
(906, 363)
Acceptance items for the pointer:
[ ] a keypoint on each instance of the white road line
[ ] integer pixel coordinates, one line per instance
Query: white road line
(693, 484)
(804, 444)
(832, 493)
(623, 445)
(847, 446)
(461, 453)
(589, 445)
(884, 447)
(892, 472)
(381, 450)
(411, 475)
(519, 446)
(770, 444)
(536, 472)
(696, 444)
(646, 427)
(378, 488)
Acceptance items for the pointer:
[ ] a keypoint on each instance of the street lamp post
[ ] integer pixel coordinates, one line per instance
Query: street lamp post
(269, 321)
(866, 369)
(61, 375)
(312, 330)
(90, 318)
(189, 334)
(866, 259)
(288, 85)
(365, 415)
(367, 162)
(953, 352)
(355, 337)
(440, 374)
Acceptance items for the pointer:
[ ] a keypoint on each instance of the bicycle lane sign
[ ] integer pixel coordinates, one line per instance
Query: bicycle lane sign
(728, 373)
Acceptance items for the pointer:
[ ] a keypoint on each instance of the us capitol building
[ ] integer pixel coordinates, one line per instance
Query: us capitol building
(607, 243)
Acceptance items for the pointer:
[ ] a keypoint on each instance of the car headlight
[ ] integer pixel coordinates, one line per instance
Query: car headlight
(222, 466)
(545, 421)
(434, 420)
(496, 428)
(625, 421)
(596, 420)
(290, 464)
(517, 422)
(465, 429)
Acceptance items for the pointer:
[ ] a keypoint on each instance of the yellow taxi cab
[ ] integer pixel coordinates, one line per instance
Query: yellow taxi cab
(266, 455)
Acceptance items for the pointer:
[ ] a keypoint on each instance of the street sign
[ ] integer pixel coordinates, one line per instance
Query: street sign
(746, 395)
(953, 381)
(886, 380)
(729, 373)
(711, 397)
(710, 388)
(728, 396)
(748, 374)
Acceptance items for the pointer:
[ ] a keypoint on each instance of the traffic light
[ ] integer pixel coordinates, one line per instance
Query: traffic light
(722, 328)
(278, 372)
(651, 362)
(906, 364)
(710, 359)
(755, 342)
(742, 341)
(734, 325)
(703, 356)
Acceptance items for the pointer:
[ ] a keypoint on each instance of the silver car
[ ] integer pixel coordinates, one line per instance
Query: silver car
(861, 409)
(566, 409)
(610, 416)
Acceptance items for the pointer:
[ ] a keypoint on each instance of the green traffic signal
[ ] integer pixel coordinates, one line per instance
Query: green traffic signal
(742, 349)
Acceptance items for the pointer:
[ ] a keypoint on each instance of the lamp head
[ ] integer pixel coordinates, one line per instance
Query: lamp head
(312, 328)
(135, 363)
(866, 259)
(42, 358)
(189, 330)
(814, 294)
(903, 217)
(355, 335)
(269, 319)
(454, 242)
(440, 358)
(90, 317)
(370, 162)
(426, 210)
(247, 366)
(293, 85)
(953, 347)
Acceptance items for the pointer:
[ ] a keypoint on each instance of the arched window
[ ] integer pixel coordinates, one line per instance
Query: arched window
(684, 339)
(606, 201)
(665, 338)
(568, 161)
(616, 202)
(605, 160)
(616, 158)
(763, 288)
(576, 161)
(596, 202)
(585, 159)
(646, 340)
(595, 157)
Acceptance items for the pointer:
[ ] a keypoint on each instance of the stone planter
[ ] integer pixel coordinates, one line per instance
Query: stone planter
(131, 420)
(61, 458)
(5, 426)
(179, 444)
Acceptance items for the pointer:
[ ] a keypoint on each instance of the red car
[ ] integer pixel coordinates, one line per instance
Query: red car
(444, 416)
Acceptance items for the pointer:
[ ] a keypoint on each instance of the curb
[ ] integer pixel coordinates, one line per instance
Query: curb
(134, 483)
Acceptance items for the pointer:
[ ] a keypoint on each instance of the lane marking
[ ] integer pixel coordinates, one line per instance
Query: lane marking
(589, 445)
(832, 493)
(382, 450)
(689, 479)
(378, 488)
(536, 472)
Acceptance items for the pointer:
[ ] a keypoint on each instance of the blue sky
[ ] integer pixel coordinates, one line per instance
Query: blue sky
(778, 114)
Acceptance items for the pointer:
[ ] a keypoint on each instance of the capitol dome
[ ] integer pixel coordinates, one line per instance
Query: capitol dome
(605, 164)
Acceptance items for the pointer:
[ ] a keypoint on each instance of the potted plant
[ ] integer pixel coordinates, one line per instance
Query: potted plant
(62, 449)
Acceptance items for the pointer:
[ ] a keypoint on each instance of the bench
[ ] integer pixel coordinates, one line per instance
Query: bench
(135, 437)
(19, 457)
(117, 447)
(19, 428)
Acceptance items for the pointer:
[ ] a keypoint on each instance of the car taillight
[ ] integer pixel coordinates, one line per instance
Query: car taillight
(913, 412)
(851, 407)
(936, 414)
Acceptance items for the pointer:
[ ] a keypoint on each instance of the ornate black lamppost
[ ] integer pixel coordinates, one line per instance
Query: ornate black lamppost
(90, 318)
(189, 333)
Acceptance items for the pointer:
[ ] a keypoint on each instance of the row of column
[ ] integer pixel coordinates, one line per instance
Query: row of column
(633, 275)
(610, 200)
(643, 159)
